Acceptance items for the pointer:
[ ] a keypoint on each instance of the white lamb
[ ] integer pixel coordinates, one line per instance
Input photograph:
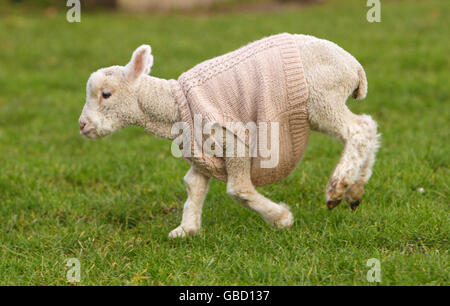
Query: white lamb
(121, 96)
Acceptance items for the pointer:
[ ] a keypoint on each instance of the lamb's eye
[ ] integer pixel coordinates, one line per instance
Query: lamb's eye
(106, 95)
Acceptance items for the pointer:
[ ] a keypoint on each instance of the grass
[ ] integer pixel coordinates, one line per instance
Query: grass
(111, 203)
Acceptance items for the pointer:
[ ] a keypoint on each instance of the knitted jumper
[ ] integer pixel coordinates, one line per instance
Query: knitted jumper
(260, 82)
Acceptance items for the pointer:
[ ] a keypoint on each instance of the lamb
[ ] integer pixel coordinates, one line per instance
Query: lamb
(248, 80)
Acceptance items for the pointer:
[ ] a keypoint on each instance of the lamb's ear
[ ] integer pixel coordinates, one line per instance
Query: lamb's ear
(141, 62)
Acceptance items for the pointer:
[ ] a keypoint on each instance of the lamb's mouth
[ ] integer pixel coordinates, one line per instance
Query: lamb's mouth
(90, 133)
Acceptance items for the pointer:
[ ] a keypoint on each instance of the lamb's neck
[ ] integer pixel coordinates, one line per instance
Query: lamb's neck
(160, 110)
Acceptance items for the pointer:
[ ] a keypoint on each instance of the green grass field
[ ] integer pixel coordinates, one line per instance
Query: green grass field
(111, 203)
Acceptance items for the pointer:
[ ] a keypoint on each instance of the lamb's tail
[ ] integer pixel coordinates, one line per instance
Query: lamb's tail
(361, 90)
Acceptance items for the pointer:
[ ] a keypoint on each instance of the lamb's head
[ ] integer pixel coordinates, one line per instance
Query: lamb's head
(111, 96)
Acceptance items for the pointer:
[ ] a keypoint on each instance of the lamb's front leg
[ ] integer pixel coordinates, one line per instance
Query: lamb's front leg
(197, 187)
(240, 188)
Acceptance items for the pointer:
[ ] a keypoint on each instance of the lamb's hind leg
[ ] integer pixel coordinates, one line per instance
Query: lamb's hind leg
(354, 193)
(240, 188)
(197, 187)
(359, 135)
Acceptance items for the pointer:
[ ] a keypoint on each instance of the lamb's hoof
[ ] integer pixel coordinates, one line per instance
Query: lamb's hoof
(179, 232)
(286, 218)
(354, 205)
(333, 203)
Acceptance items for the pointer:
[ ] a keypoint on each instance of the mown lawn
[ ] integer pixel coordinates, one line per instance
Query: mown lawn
(111, 203)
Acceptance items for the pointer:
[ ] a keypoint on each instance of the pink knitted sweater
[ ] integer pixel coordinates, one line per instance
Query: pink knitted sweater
(260, 82)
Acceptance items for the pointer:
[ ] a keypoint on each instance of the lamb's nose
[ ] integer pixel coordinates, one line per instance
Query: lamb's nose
(82, 125)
